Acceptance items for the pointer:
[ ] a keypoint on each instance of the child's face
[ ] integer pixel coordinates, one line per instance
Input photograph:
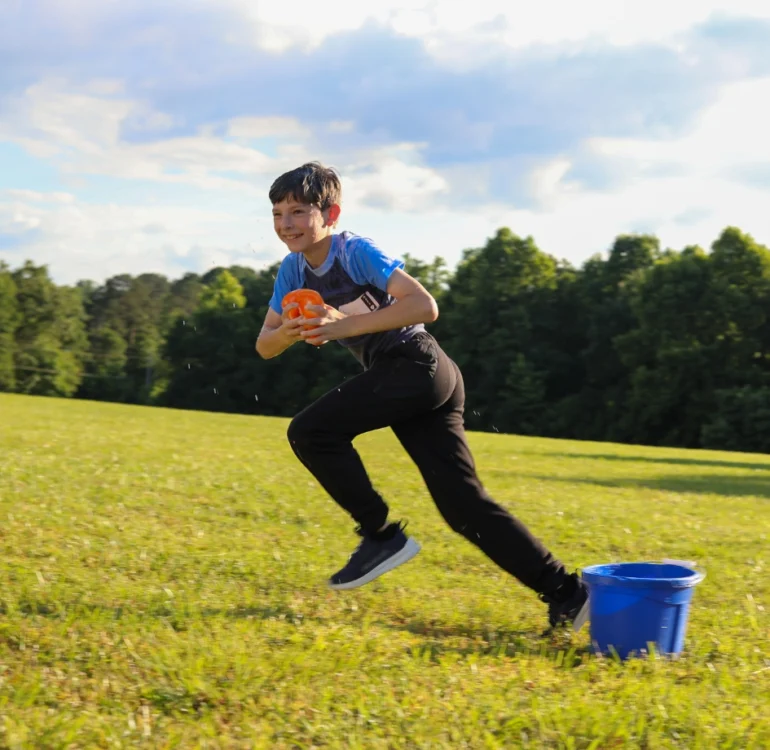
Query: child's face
(300, 226)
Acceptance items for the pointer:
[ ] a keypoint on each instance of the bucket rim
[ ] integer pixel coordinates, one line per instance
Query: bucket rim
(603, 574)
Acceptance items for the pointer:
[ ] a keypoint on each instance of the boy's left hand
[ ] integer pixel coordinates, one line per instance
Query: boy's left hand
(330, 324)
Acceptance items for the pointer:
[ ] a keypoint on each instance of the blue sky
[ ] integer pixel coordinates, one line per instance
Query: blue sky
(142, 136)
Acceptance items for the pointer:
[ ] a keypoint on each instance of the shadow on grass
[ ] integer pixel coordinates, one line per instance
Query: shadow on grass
(438, 640)
(708, 484)
(176, 614)
(437, 644)
(664, 460)
(465, 640)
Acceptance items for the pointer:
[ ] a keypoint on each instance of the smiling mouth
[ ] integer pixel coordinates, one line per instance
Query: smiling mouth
(292, 236)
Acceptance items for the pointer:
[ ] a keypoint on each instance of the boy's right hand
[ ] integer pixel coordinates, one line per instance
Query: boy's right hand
(291, 328)
(278, 333)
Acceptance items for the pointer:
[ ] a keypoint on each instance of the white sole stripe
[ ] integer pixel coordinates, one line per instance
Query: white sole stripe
(406, 553)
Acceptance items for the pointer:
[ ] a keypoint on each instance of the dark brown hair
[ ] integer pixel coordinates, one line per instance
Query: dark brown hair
(312, 183)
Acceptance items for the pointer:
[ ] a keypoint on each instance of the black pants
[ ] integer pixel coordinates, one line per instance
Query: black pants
(417, 391)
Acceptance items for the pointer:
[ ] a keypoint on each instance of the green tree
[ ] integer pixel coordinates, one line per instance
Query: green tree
(106, 378)
(223, 291)
(521, 402)
(559, 337)
(644, 346)
(486, 321)
(136, 310)
(182, 299)
(9, 320)
(740, 297)
(434, 276)
(740, 421)
(110, 324)
(701, 324)
(596, 413)
(207, 353)
(670, 354)
(50, 340)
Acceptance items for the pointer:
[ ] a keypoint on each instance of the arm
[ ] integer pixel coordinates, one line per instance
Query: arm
(278, 333)
(414, 304)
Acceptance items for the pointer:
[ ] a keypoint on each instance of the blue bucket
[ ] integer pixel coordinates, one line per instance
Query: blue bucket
(634, 605)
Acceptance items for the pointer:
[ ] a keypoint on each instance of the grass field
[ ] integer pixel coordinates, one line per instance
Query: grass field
(162, 584)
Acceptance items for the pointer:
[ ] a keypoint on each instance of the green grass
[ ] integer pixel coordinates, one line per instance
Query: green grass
(162, 584)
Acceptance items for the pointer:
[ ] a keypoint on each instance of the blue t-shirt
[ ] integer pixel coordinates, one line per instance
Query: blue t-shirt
(354, 279)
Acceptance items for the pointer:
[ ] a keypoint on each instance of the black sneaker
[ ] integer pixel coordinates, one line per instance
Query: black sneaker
(374, 556)
(572, 609)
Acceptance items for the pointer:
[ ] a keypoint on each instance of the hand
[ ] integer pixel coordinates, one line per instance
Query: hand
(328, 324)
(291, 328)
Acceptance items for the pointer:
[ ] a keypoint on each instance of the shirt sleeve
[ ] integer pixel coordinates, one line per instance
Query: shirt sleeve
(287, 280)
(367, 264)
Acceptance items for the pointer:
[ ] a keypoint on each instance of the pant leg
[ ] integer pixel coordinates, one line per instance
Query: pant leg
(436, 442)
(400, 385)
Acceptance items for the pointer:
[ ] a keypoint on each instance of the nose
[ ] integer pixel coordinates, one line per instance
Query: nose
(286, 221)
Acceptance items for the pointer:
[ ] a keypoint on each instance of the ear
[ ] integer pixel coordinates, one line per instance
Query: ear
(333, 214)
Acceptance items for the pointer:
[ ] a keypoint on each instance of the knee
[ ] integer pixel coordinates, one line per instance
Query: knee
(299, 432)
(463, 512)
(456, 521)
(307, 433)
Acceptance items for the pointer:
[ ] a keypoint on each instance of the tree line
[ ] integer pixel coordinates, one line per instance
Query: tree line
(646, 345)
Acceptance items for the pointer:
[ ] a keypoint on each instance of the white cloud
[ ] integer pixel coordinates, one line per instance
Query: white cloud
(390, 195)
(248, 128)
(81, 132)
(517, 23)
(392, 179)
(690, 204)
(548, 182)
(733, 130)
(684, 189)
(80, 240)
(37, 196)
(307, 22)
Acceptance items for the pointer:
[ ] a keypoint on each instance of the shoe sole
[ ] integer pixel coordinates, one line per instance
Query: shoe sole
(582, 616)
(405, 554)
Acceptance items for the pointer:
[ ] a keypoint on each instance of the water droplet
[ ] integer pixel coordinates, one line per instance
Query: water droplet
(188, 365)
(184, 322)
(215, 391)
(255, 397)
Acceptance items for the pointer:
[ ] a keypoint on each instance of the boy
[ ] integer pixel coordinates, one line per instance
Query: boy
(377, 311)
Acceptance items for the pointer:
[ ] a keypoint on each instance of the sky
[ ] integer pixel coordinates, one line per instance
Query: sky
(143, 135)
